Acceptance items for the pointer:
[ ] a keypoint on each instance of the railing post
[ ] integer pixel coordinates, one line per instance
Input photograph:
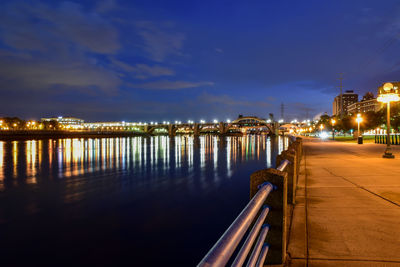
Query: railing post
(291, 156)
(277, 201)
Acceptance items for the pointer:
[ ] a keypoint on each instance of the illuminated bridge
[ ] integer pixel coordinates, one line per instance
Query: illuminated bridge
(241, 125)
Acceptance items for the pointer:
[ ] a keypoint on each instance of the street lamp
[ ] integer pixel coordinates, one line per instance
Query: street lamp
(388, 93)
(333, 121)
(359, 119)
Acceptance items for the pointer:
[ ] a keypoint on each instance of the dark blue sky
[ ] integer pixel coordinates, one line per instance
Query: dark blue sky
(179, 60)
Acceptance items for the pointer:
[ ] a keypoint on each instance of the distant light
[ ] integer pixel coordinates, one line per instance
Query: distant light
(60, 117)
(215, 121)
(323, 135)
(123, 122)
(202, 121)
(280, 121)
(228, 121)
(268, 121)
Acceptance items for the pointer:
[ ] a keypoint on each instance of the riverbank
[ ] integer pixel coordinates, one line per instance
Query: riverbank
(57, 134)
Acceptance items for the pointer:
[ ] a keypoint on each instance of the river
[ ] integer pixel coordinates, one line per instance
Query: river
(150, 201)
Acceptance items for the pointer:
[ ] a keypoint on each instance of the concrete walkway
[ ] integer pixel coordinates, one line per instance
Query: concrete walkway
(347, 210)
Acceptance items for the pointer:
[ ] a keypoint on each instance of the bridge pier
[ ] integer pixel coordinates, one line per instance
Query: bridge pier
(172, 130)
(222, 128)
(196, 130)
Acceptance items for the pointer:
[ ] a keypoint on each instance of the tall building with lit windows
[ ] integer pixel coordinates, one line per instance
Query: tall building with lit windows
(349, 97)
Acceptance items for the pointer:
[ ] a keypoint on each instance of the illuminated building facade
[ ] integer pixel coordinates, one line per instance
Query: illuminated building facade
(368, 103)
(66, 121)
(349, 97)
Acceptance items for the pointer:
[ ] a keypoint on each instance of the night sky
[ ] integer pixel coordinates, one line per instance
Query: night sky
(179, 60)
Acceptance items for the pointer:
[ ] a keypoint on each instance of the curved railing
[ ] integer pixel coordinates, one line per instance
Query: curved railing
(272, 189)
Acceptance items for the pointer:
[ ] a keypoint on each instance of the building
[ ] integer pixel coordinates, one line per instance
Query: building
(349, 97)
(364, 106)
(67, 121)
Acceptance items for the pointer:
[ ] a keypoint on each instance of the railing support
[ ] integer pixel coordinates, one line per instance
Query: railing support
(290, 155)
(277, 201)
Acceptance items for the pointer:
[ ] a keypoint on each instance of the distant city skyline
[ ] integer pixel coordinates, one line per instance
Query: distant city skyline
(117, 60)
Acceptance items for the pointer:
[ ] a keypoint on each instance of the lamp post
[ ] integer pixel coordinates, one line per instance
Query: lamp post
(388, 93)
(333, 121)
(359, 119)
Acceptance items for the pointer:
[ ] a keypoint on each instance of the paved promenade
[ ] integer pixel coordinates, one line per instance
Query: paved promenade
(348, 206)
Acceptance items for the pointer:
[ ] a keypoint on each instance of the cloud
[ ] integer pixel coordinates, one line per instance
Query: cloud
(19, 73)
(170, 85)
(65, 25)
(50, 49)
(159, 40)
(143, 71)
(106, 6)
(226, 100)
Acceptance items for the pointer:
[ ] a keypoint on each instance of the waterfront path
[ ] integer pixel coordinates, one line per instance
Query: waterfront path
(347, 210)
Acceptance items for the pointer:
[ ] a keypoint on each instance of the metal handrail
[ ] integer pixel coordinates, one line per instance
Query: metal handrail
(244, 251)
(263, 255)
(221, 252)
(258, 246)
(283, 165)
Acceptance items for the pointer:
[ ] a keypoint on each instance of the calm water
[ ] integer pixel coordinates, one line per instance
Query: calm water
(139, 201)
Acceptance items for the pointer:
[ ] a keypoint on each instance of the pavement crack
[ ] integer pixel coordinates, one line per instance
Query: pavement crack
(361, 187)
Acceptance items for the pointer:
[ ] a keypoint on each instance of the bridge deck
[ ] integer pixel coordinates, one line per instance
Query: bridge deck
(348, 207)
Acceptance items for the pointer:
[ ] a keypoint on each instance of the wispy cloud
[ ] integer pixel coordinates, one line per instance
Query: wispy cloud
(64, 25)
(160, 41)
(170, 85)
(227, 100)
(22, 73)
(55, 51)
(143, 71)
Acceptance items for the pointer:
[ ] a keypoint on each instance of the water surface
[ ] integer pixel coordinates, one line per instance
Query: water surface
(108, 201)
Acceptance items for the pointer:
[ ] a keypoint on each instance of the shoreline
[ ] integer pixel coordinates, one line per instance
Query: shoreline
(24, 135)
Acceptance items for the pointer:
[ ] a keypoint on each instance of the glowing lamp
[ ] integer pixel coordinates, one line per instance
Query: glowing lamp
(388, 93)
(387, 98)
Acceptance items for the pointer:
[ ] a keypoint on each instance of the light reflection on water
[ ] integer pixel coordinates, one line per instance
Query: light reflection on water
(193, 179)
(76, 157)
